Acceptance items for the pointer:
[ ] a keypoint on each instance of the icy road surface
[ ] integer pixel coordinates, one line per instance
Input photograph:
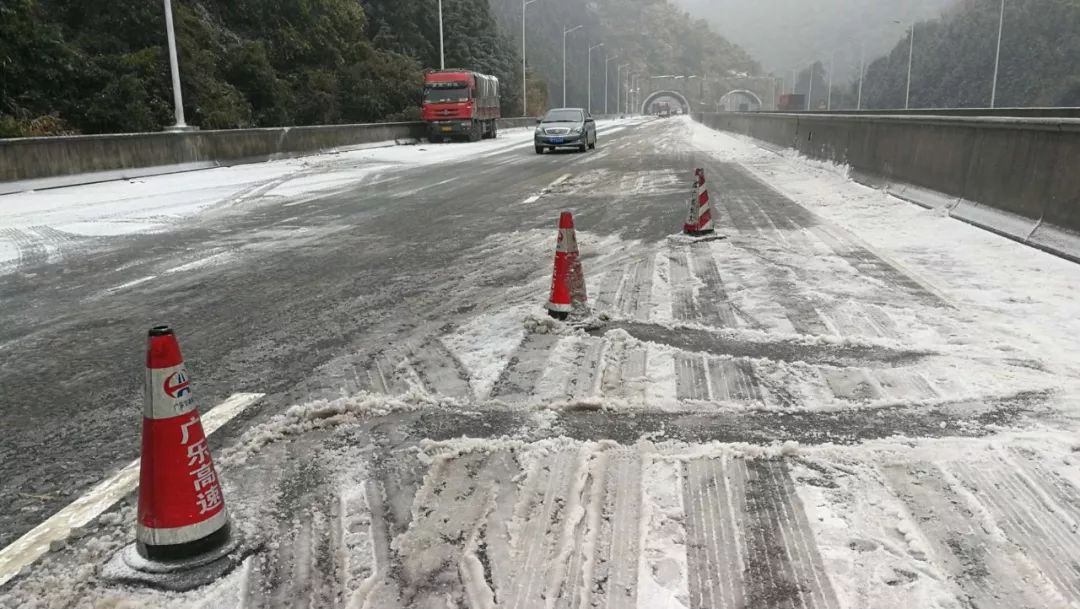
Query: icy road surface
(850, 402)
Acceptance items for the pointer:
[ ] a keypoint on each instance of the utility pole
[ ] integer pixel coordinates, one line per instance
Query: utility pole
(810, 89)
(566, 32)
(524, 73)
(591, 49)
(442, 48)
(174, 66)
(997, 57)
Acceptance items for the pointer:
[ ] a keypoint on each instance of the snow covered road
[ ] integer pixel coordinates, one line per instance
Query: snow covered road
(849, 402)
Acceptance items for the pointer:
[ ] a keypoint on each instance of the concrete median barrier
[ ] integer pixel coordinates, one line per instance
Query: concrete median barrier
(27, 163)
(1007, 174)
(50, 162)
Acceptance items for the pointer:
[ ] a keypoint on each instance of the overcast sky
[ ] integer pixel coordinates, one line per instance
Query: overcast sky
(784, 34)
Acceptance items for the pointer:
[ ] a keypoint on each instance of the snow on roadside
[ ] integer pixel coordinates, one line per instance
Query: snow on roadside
(1027, 297)
(149, 204)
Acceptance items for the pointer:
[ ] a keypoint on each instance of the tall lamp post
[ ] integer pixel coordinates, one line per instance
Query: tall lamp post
(524, 74)
(607, 87)
(997, 56)
(442, 47)
(862, 71)
(174, 66)
(910, 57)
(832, 64)
(566, 32)
(619, 92)
(591, 49)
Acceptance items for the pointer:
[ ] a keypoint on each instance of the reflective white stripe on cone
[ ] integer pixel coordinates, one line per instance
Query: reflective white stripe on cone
(699, 220)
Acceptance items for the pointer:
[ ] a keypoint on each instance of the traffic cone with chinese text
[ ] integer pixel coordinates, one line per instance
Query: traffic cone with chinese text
(699, 221)
(568, 294)
(181, 508)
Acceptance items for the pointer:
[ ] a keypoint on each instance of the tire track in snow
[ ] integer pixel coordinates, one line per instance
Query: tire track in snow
(1034, 516)
(541, 505)
(622, 510)
(715, 562)
(32, 251)
(979, 564)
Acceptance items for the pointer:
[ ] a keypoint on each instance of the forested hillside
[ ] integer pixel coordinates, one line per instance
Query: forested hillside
(94, 67)
(71, 66)
(954, 58)
(654, 36)
(788, 34)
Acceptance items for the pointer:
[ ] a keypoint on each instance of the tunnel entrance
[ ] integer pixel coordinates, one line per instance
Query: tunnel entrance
(740, 100)
(673, 97)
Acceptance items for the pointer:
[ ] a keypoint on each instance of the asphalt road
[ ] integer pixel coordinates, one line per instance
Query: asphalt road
(521, 462)
(351, 274)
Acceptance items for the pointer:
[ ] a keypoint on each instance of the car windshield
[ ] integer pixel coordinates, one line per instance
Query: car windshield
(563, 116)
(442, 95)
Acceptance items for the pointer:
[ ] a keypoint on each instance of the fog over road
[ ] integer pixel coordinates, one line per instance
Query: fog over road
(848, 401)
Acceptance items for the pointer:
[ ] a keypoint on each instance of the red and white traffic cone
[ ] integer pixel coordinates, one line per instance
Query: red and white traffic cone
(568, 293)
(181, 508)
(699, 222)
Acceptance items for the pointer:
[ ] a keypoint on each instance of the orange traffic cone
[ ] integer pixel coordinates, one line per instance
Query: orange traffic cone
(181, 508)
(699, 222)
(568, 294)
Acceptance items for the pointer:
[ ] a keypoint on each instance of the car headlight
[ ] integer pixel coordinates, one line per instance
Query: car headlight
(539, 131)
(576, 131)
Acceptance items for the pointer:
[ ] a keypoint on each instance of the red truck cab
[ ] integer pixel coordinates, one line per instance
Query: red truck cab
(459, 103)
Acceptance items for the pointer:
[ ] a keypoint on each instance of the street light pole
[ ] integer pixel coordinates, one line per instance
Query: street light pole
(607, 87)
(810, 88)
(620, 93)
(862, 70)
(591, 49)
(442, 48)
(524, 72)
(910, 57)
(832, 64)
(997, 57)
(178, 97)
(566, 32)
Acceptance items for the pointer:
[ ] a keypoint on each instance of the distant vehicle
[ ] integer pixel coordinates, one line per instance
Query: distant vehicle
(460, 103)
(791, 102)
(663, 110)
(565, 128)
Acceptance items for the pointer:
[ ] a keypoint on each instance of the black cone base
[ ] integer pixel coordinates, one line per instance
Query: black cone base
(185, 551)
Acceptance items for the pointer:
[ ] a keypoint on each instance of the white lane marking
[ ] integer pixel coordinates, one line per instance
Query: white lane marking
(540, 195)
(131, 284)
(201, 262)
(33, 545)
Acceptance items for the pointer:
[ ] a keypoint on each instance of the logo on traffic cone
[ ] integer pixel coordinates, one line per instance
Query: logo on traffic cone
(568, 292)
(181, 508)
(699, 222)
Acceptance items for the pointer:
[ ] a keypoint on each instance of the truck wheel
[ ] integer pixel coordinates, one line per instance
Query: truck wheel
(476, 132)
(495, 130)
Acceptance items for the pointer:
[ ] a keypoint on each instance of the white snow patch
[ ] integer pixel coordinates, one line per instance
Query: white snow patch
(485, 344)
